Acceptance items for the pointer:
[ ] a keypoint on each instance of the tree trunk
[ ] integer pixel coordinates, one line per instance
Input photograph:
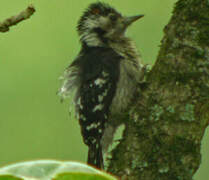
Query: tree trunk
(163, 134)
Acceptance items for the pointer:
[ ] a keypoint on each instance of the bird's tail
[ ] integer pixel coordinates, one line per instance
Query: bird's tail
(95, 156)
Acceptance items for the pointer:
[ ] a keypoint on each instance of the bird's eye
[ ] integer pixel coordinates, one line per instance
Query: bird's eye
(113, 17)
(95, 11)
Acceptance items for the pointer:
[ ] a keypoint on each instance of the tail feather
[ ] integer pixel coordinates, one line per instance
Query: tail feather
(95, 156)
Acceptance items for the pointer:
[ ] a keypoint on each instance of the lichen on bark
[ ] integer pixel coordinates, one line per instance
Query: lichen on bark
(163, 134)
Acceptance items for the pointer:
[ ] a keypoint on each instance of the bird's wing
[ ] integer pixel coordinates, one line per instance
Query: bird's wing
(99, 76)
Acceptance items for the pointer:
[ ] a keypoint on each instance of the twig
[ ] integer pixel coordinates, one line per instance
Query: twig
(5, 25)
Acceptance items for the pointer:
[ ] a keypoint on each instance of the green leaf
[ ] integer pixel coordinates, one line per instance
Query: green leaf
(9, 177)
(50, 169)
(83, 176)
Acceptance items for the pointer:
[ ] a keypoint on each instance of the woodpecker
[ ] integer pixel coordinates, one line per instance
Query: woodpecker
(104, 75)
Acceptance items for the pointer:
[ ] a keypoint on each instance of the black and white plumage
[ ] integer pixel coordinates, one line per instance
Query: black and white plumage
(104, 75)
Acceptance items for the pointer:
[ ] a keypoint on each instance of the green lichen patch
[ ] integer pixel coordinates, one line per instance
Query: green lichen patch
(139, 163)
(188, 114)
(156, 112)
(164, 169)
(170, 109)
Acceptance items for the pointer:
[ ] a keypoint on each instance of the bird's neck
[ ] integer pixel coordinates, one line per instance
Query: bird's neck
(125, 47)
(122, 45)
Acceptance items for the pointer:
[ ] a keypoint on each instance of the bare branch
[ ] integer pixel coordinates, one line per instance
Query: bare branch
(5, 25)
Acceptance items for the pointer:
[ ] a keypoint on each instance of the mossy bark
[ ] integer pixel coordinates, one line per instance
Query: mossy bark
(163, 134)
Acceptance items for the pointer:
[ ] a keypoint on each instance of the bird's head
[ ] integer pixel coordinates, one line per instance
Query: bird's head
(101, 23)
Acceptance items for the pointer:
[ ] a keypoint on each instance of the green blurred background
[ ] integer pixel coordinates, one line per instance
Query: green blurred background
(33, 122)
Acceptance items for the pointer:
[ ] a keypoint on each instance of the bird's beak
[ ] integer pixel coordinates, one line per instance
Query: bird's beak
(129, 20)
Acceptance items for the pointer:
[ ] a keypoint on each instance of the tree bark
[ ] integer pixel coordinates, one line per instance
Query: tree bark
(163, 134)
